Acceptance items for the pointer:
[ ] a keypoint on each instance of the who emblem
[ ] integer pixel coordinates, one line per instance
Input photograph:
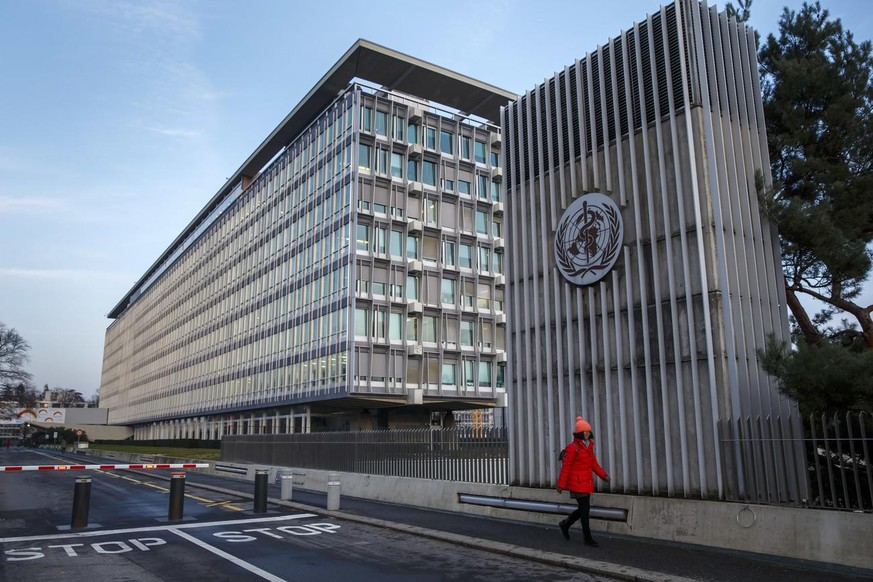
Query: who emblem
(588, 239)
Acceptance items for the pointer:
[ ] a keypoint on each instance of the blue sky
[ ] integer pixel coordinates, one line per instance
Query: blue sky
(120, 119)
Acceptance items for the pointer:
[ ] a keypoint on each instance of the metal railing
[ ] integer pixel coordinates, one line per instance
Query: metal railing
(820, 461)
(477, 455)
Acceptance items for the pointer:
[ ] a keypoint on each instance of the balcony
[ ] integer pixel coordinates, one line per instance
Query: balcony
(415, 114)
(414, 307)
(414, 189)
(497, 174)
(496, 140)
(414, 266)
(414, 225)
(500, 319)
(499, 281)
(498, 243)
(498, 208)
(415, 350)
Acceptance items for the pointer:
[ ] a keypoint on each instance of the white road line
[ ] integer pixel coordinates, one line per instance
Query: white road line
(230, 558)
(171, 528)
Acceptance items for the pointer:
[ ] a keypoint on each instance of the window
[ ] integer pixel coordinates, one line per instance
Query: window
(398, 127)
(413, 133)
(363, 238)
(428, 173)
(449, 253)
(447, 291)
(481, 222)
(469, 375)
(484, 373)
(412, 171)
(430, 138)
(448, 375)
(428, 328)
(412, 287)
(412, 328)
(381, 161)
(429, 212)
(495, 159)
(394, 327)
(465, 256)
(396, 165)
(484, 259)
(379, 288)
(380, 208)
(446, 142)
(364, 152)
(396, 244)
(379, 324)
(482, 187)
(449, 185)
(463, 187)
(479, 152)
(465, 147)
(498, 262)
(496, 228)
(366, 118)
(381, 123)
(501, 372)
(362, 316)
(412, 247)
(381, 241)
(495, 191)
(466, 333)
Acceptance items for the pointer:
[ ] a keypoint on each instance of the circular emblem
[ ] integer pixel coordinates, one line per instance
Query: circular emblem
(588, 239)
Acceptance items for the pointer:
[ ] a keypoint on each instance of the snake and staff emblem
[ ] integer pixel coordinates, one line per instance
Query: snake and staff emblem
(588, 239)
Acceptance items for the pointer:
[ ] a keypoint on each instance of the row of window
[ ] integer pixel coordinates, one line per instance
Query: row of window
(468, 148)
(384, 325)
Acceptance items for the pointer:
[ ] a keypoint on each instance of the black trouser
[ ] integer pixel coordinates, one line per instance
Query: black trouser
(582, 512)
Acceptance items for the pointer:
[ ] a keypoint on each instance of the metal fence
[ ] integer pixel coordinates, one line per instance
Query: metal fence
(820, 460)
(475, 455)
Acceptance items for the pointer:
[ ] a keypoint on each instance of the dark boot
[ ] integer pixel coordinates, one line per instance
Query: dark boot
(565, 528)
(589, 541)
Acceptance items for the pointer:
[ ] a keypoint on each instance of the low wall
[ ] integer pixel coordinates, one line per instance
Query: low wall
(833, 537)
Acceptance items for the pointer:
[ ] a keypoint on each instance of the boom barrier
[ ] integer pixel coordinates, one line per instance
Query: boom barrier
(94, 467)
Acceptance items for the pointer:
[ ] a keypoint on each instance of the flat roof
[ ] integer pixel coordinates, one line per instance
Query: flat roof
(364, 60)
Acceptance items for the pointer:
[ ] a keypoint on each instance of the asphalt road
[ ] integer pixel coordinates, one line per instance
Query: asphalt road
(129, 537)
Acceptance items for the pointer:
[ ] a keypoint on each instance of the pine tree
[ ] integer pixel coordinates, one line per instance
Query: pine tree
(818, 106)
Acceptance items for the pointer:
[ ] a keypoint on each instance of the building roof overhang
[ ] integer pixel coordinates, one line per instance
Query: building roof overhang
(364, 60)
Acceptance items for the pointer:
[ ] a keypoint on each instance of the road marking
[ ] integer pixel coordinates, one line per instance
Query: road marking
(91, 534)
(229, 557)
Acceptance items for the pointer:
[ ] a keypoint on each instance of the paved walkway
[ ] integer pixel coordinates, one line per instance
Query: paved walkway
(620, 557)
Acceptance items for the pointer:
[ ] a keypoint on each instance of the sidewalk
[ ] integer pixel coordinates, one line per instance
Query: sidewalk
(620, 557)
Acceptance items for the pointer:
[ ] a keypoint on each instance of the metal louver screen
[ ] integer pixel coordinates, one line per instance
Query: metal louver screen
(598, 88)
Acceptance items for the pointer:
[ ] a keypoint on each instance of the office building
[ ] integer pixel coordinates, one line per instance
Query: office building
(349, 275)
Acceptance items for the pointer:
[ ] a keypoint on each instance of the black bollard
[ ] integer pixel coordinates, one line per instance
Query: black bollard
(81, 502)
(177, 495)
(260, 491)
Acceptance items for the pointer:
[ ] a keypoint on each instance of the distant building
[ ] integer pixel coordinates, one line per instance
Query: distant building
(349, 275)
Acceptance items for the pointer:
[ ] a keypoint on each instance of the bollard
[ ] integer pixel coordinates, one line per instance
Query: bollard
(81, 502)
(260, 505)
(177, 495)
(333, 491)
(287, 487)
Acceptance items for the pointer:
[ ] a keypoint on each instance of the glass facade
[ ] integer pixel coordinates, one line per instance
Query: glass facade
(273, 311)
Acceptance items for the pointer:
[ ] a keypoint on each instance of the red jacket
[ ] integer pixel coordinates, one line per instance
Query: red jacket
(579, 462)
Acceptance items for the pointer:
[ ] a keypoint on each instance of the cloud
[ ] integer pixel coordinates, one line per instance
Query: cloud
(62, 275)
(31, 205)
(175, 132)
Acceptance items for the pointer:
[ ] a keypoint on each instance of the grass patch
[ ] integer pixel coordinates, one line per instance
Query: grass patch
(178, 452)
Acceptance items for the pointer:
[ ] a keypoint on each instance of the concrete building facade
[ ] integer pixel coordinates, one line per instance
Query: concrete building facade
(641, 275)
(348, 276)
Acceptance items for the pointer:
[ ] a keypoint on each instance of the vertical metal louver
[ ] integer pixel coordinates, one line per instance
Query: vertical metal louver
(596, 72)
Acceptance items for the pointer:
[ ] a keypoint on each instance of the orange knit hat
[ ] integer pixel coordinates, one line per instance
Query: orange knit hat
(581, 425)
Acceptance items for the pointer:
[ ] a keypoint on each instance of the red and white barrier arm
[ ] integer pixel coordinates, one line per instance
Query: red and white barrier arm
(92, 467)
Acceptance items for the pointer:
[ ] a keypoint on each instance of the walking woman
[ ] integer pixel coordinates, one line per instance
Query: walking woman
(576, 477)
